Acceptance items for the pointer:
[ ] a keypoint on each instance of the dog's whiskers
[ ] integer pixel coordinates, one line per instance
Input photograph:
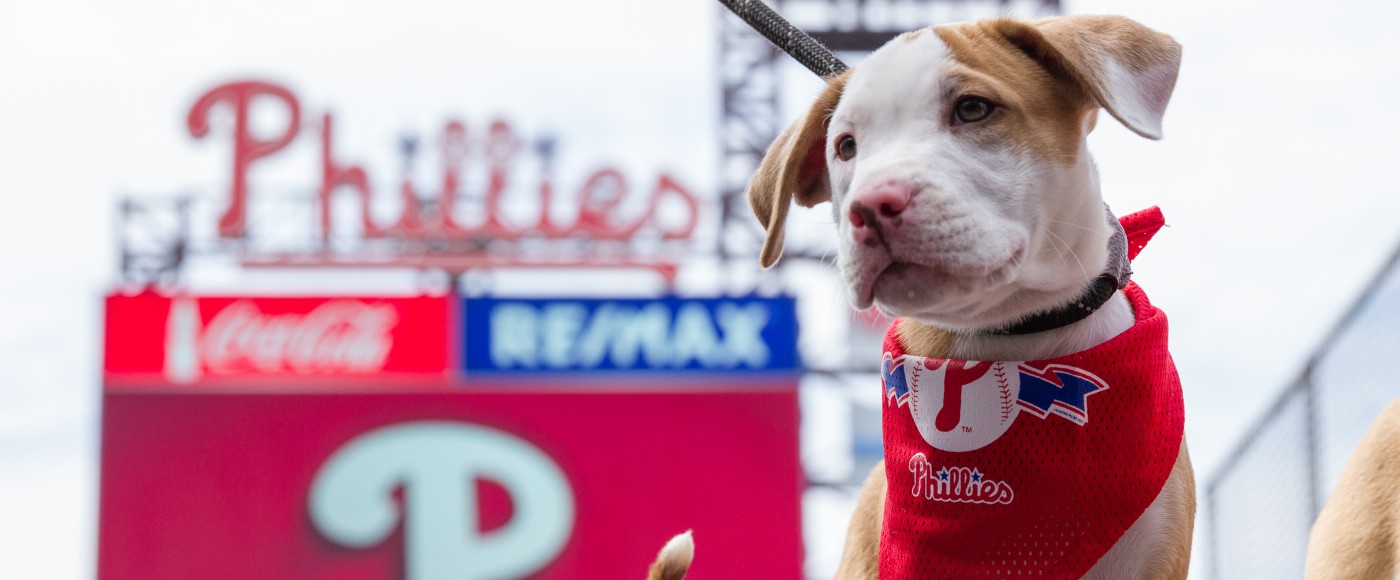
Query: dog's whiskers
(1074, 225)
(1072, 253)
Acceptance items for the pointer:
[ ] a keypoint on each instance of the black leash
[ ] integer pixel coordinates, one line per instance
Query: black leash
(799, 45)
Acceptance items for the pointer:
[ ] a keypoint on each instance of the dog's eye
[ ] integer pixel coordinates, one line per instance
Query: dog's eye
(846, 148)
(972, 109)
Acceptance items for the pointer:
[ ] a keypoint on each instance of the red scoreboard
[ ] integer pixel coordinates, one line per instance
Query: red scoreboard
(349, 437)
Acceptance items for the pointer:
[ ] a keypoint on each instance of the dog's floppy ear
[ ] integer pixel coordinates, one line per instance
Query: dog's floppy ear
(1128, 68)
(794, 170)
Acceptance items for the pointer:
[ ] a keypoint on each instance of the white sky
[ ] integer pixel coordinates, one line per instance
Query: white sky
(1276, 174)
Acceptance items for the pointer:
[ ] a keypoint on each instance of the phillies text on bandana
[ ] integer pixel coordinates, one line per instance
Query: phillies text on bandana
(1030, 467)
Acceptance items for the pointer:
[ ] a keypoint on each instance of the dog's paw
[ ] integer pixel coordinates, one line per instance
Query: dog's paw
(674, 558)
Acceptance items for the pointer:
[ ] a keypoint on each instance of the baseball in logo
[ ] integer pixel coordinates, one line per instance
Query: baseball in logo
(966, 405)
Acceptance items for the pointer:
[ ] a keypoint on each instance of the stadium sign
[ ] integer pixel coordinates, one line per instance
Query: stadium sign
(518, 480)
(666, 334)
(440, 515)
(210, 339)
(600, 201)
(333, 428)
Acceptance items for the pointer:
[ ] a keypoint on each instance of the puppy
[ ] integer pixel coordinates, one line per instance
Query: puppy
(966, 204)
(1357, 535)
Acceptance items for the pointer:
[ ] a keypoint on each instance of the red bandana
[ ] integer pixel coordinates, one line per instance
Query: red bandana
(1001, 468)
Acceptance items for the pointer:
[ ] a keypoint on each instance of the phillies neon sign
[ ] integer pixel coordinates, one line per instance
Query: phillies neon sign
(600, 197)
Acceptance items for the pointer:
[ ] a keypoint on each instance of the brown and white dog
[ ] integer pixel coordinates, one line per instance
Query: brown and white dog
(1357, 535)
(965, 200)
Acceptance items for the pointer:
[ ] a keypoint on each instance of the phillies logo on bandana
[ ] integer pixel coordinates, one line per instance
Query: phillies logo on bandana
(956, 484)
(965, 405)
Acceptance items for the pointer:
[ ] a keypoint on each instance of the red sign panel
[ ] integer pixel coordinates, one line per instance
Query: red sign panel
(390, 467)
(529, 483)
(154, 340)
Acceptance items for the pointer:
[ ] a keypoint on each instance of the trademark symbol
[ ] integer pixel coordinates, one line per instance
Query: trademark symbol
(967, 429)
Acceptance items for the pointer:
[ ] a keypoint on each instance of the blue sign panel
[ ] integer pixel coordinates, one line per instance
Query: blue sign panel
(664, 334)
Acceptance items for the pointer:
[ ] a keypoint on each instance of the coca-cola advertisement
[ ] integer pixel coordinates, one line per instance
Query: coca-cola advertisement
(186, 340)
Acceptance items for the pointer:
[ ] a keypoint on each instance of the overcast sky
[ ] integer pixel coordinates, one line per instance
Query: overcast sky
(1276, 174)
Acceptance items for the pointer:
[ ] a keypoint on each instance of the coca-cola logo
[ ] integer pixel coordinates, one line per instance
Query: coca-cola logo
(338, 336)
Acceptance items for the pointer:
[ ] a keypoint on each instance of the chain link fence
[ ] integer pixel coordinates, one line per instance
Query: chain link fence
(1263, 502)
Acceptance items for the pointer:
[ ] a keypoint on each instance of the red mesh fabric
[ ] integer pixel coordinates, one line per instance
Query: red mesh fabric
(1140, 227)
(1010, 483)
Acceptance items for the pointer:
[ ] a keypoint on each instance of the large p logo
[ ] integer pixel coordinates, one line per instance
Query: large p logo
(437, 465)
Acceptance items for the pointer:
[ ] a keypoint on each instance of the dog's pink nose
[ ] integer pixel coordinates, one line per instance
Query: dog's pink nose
(882, 202)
